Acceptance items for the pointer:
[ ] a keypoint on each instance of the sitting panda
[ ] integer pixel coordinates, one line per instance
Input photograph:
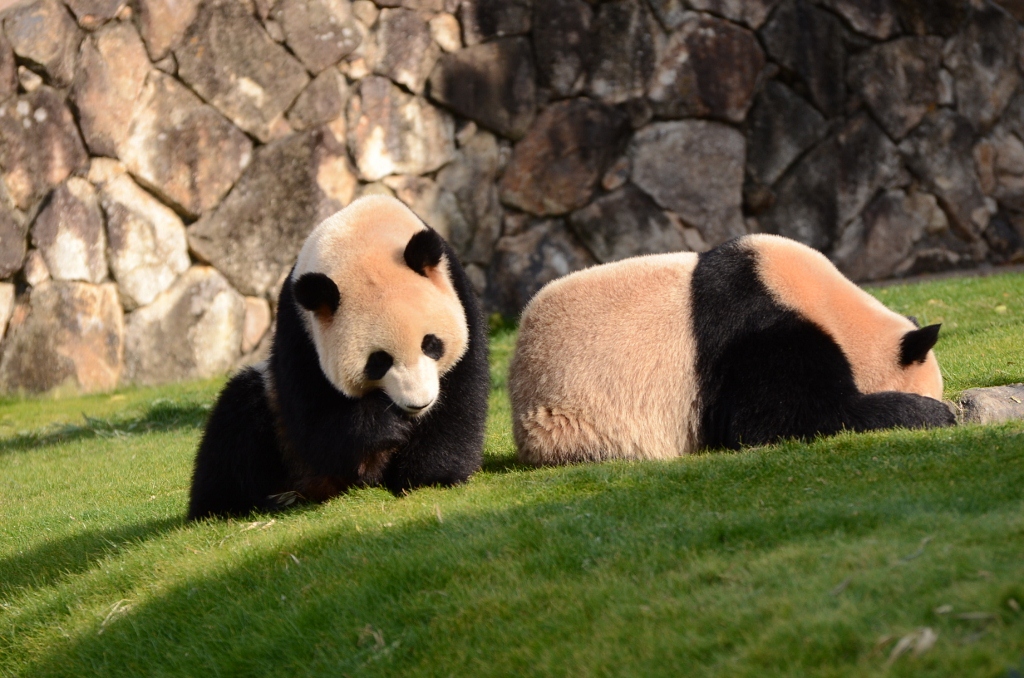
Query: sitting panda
(755, 341)
(378, 373)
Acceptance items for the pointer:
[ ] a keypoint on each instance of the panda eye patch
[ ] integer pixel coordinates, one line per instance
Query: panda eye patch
(378, 364)
(433, 347)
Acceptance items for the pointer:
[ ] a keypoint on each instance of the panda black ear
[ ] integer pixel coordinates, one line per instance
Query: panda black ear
(318, 293)
(915, 344)
(424, 251)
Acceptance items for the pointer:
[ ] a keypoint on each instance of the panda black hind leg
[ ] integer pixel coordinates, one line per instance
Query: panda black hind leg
(238, 465)
(891, 409)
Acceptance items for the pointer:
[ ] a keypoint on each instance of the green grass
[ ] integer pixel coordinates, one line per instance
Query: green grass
(795, 559)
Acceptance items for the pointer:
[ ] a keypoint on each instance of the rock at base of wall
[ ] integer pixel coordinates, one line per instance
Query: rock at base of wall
(626, 223)
(192, 331)
(70, 234)
(68, 332)
(993, 405)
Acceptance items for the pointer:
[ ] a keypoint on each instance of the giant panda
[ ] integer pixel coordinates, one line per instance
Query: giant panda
(377, 375)
(757, 340)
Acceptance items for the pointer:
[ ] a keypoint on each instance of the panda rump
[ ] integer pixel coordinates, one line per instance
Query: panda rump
(377, 375)
(755, 341)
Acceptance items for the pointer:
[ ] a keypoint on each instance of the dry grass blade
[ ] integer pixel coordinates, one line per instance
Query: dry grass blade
(437, 512)
(920, 641)
(369, 634)
(117, 609)
(840, 587)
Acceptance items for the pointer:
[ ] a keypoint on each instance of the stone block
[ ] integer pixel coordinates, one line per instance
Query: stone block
(181, 148)
(39, 145)
(695, 169)
(874, 18)
(983, 60)
(69, 233)
(708, 68)
(403, 48)
(320, 32)
(809, 42)
(391, 132)
(112, 73)
(563, 43)
(7, 301)
(781, 127)
(446, 32)
(751, 13)
(192, 331)
(255, 234)
(484, 20)
(471, 177)
(940, 153)
(626, 223)
(147, 247)
(162, 23)
(92, 14)
(555, 169)
(68, 332)
(8, 69)
(255, 80)
(492, 84)
(993, 405)
(900, 81)
(256, 324)
(43, 33)
(323, 101)
(12, 243)
(525, 262)
(624, 51)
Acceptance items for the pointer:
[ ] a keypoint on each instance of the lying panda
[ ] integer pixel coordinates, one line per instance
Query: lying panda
(757, 340)
(378, 373)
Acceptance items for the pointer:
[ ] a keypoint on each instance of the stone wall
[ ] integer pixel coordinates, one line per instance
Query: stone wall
(162, 160)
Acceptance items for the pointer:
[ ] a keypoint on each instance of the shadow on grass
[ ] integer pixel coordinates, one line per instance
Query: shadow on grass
(160, 416)
(52, 560)
(611, 568)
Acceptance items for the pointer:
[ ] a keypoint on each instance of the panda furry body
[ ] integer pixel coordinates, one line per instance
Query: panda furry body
(378, 373)
(757, 340)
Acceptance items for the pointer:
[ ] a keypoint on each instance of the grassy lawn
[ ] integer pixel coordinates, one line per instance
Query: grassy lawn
(792, 559)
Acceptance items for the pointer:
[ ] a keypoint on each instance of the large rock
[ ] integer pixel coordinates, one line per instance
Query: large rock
(323, 101)
(146, 241)
(525, 262)
(873, 18)
(484, 20)
(8, 69)
(782, 127)
(69, 332)
(940, 153)
(563, 42)
(999, 159)
(404, 49)
(436, 206)
(470, 177)
(695, 169)
(39, 145)
(626, 223)
(320, 32)
(983, 59)
(391, 132)
(181, 148)
(113, 72)
(709, 67)
(291, 185)
(833, 183)
(12, 244)
(162, 23)
(492, 84)
(874, 244)
(809, 42)
(672, 13)
(255, 80)
(92, 14)
(993, 405)
(191, 331)
(624, 51)
(935, 17)
(556, 167)
(69, 233)
(900, 81)
(44, 34)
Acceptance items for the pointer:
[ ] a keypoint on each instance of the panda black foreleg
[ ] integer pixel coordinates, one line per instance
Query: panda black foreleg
(892, 409)
(238, 465)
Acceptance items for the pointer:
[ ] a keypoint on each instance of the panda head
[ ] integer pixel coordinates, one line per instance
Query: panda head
(373, 287)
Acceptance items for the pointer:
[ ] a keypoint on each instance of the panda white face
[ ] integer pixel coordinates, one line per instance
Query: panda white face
(379, 304)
